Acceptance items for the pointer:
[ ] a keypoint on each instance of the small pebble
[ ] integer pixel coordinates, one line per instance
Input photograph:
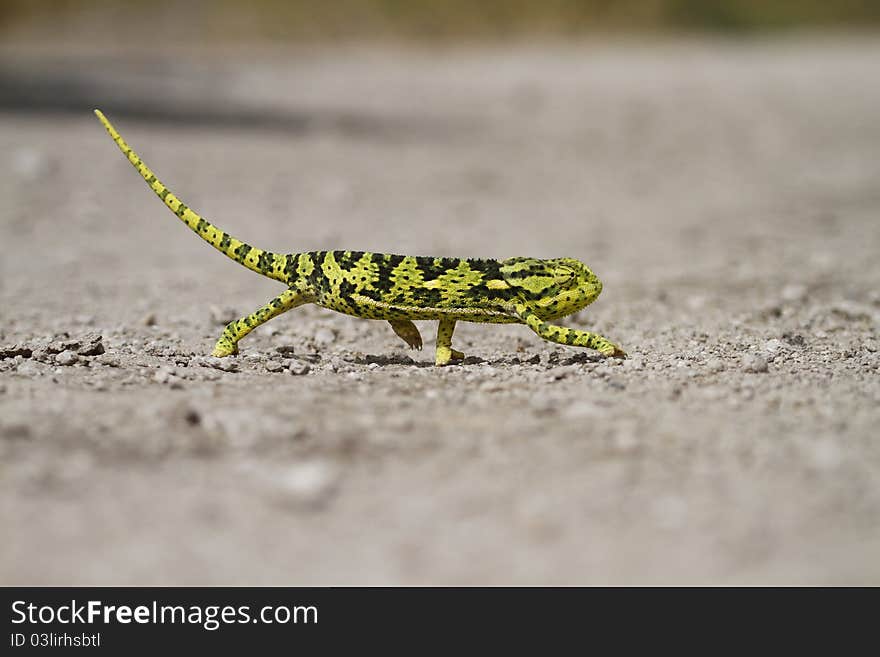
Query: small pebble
(298, 367)
(108, 361)
(274, 366)
(66, 358)
(42, 355)
(336, 364)
(92, 344)
(324, 337)
(773, 345)
(163, 375)
(224, 364)
(755, 364)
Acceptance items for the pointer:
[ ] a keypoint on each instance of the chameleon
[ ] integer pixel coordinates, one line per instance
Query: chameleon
(400, 289)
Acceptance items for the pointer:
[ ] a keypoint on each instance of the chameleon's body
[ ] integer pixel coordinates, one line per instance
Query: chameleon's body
(403, 288)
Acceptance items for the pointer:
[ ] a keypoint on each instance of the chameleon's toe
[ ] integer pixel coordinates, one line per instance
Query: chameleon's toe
(447, 356)
(224, 348)
(612, 351)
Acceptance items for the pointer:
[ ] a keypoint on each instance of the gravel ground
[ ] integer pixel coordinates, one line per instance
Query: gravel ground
(726, 193)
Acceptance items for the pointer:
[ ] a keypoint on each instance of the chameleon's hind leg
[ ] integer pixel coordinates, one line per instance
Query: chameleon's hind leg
(407, 332)
(445, 353)
(227, 345)
(567, 336)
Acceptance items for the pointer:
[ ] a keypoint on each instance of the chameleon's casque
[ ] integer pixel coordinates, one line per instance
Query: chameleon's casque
(399, 288)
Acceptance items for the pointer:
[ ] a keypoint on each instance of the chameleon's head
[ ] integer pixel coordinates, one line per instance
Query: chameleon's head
(552, 288)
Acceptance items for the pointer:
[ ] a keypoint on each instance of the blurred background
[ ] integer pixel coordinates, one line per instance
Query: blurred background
(714, 162)
(58, 54)
(203, 22)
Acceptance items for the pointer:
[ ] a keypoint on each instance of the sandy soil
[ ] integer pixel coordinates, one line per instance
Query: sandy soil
(727, 194)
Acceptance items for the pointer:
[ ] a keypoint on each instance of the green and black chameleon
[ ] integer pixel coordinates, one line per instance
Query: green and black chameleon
(400, 289)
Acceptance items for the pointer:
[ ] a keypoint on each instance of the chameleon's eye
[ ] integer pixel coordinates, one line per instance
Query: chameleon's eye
(564, 275)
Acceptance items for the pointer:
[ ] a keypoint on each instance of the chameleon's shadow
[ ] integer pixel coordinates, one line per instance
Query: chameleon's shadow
(578, 359)
(554, 360)
(394, 359)
(403, 359)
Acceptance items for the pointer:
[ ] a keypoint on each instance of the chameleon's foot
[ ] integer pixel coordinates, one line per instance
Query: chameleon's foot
(225, 347)
(407, 332)
(612, 351)
(447, 356)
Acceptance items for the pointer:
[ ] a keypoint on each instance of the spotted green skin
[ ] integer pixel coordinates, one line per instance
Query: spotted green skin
(400, 289)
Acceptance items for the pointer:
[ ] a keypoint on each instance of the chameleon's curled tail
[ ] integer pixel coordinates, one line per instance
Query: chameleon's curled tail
(262, 262)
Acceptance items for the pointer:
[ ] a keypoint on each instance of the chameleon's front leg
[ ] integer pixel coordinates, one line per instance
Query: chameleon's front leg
(445, 353)
(567, 336)
(407, 331)
(227, 345)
